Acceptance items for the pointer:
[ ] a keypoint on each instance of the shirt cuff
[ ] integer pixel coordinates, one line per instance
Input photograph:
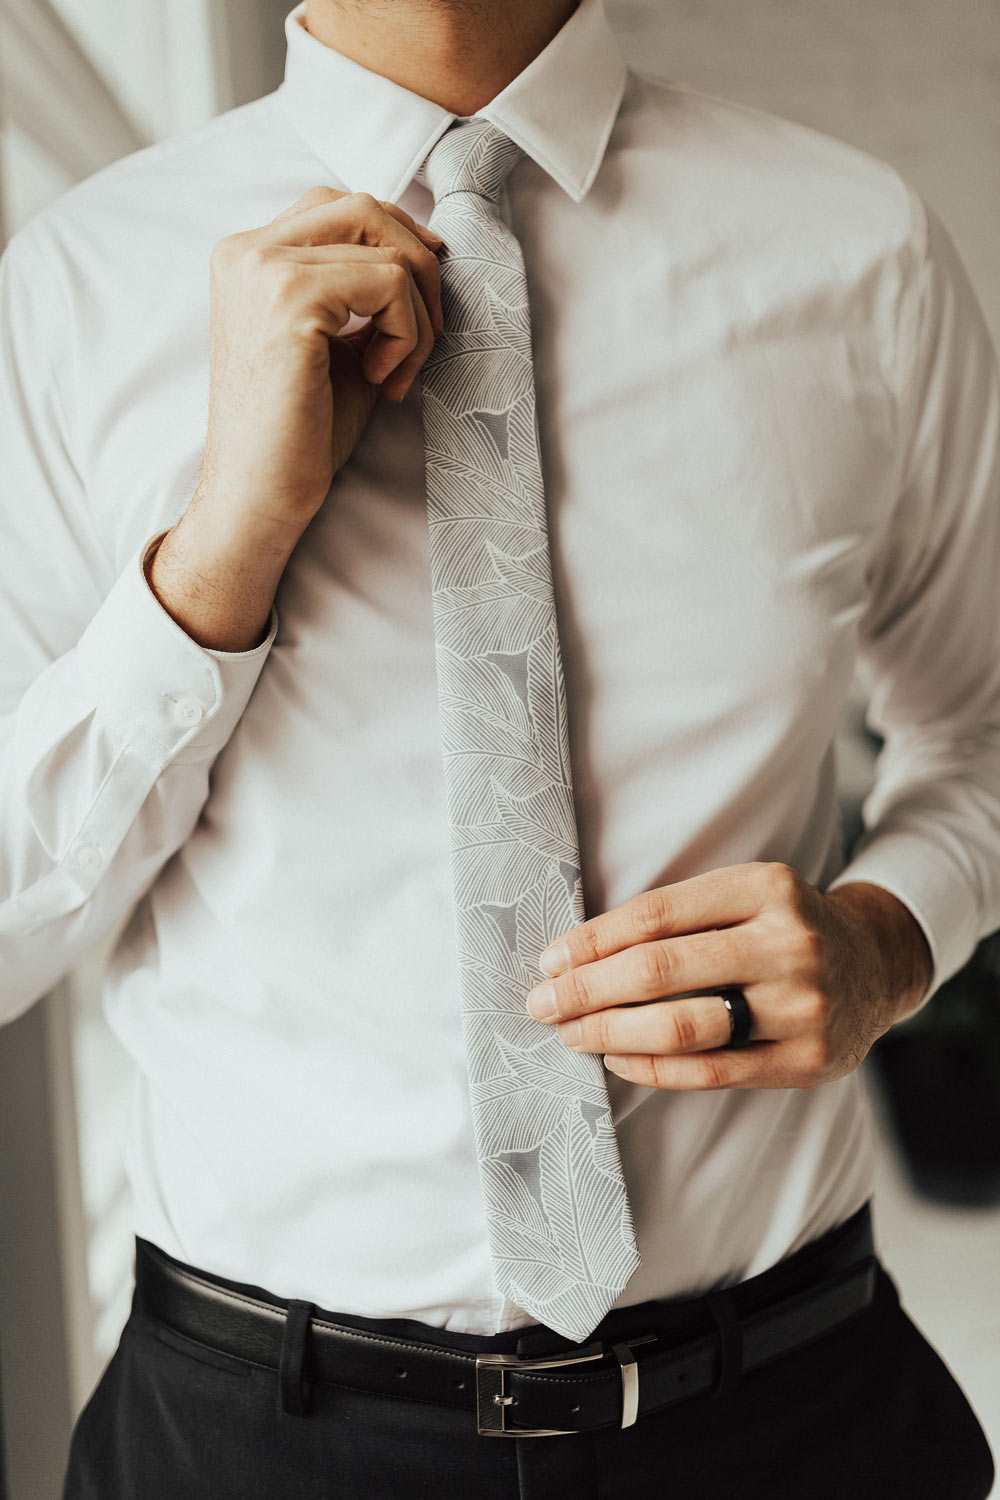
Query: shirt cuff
(911, 868)
(156, 687)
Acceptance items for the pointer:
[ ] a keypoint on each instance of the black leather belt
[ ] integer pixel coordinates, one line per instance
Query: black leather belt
(641, 1358)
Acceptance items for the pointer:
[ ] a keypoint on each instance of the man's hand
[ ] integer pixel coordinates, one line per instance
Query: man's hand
(289, 397)
(824, 975)
(285, 407)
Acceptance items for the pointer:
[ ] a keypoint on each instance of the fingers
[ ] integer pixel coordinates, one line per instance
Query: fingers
(702, 961)
(719, 898)
(697, 1023)
(371, 259)
(316, 197)
(796, 1064)
(669, 1027)
(649, 1001)
(767, 1065)
(359, 338)
(398, 383)
(324, 216)
(380, 290)
(423, 231)
(374, 282)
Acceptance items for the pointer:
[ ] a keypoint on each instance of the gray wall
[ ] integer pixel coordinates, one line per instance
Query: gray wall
(916, 82)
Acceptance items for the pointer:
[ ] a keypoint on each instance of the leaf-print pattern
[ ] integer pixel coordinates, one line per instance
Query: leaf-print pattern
(560, 1225)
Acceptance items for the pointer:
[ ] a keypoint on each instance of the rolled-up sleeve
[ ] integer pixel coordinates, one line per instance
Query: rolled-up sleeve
(110, 715)
(930, 640)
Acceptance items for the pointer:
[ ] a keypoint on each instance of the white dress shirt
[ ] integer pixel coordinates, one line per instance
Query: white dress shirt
(768, 411)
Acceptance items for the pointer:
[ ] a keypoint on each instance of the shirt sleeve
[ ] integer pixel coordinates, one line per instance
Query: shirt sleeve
(110, 714)
(930, 639)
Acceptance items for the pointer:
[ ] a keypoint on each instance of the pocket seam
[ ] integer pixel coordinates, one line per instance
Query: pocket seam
(204, 1353)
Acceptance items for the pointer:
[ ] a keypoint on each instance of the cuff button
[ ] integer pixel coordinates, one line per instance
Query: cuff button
(87, 857)
(188, 711)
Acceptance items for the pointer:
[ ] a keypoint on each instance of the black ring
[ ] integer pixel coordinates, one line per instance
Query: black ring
(739, 1017)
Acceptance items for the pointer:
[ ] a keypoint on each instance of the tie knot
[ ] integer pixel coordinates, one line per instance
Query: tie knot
(472, 156)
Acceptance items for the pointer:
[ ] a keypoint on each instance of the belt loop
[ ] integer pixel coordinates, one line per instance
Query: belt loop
(720, 1305)
(294, 1387)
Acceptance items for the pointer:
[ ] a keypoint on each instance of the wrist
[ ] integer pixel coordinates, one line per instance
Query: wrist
(217, 578)
(224, 527)
(897, 939)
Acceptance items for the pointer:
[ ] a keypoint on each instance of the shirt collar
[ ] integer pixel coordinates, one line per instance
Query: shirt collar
(374, 135)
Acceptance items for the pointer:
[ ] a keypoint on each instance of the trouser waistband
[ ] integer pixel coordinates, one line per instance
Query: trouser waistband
(531, 1380)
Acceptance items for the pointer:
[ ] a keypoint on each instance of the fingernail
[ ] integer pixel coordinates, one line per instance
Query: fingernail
(554, 960)
(542, 1002)
(571, 1032)
(618, 1065)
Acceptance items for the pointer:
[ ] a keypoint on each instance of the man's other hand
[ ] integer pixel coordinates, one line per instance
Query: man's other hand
(824, 975)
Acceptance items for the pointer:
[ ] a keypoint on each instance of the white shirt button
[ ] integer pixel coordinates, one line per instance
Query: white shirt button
(87, 857)
(188, 711)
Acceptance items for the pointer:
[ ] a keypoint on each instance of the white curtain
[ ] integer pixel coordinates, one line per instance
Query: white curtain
(86, 81)
(83, 82)
(46, 148)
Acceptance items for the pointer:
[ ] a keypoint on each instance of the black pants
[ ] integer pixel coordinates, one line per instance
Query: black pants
(867, 1412)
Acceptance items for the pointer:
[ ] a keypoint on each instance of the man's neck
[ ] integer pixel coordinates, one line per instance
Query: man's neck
(458, 53)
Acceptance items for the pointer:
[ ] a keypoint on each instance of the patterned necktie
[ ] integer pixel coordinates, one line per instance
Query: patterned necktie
(560, 1226)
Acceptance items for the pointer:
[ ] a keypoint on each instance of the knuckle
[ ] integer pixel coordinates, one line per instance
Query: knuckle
(603, 1023)
(707, 1073)
(584, 945)
(314, 196)
(396, 275)
(365, 203)
(815, 1061)
(227, 252)
(425, 339)
(391, 255)
(806, 947)
(283, 279)
(660, 1067)
(681, 1029)
(781, 882)
(652, 913)
(655, 968)
(577, 993)
(816, 1008)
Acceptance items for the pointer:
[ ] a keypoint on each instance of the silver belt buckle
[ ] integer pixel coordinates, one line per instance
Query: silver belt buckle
(493, 1400)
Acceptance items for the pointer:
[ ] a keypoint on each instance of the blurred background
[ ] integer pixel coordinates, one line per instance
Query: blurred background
(916, 82)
